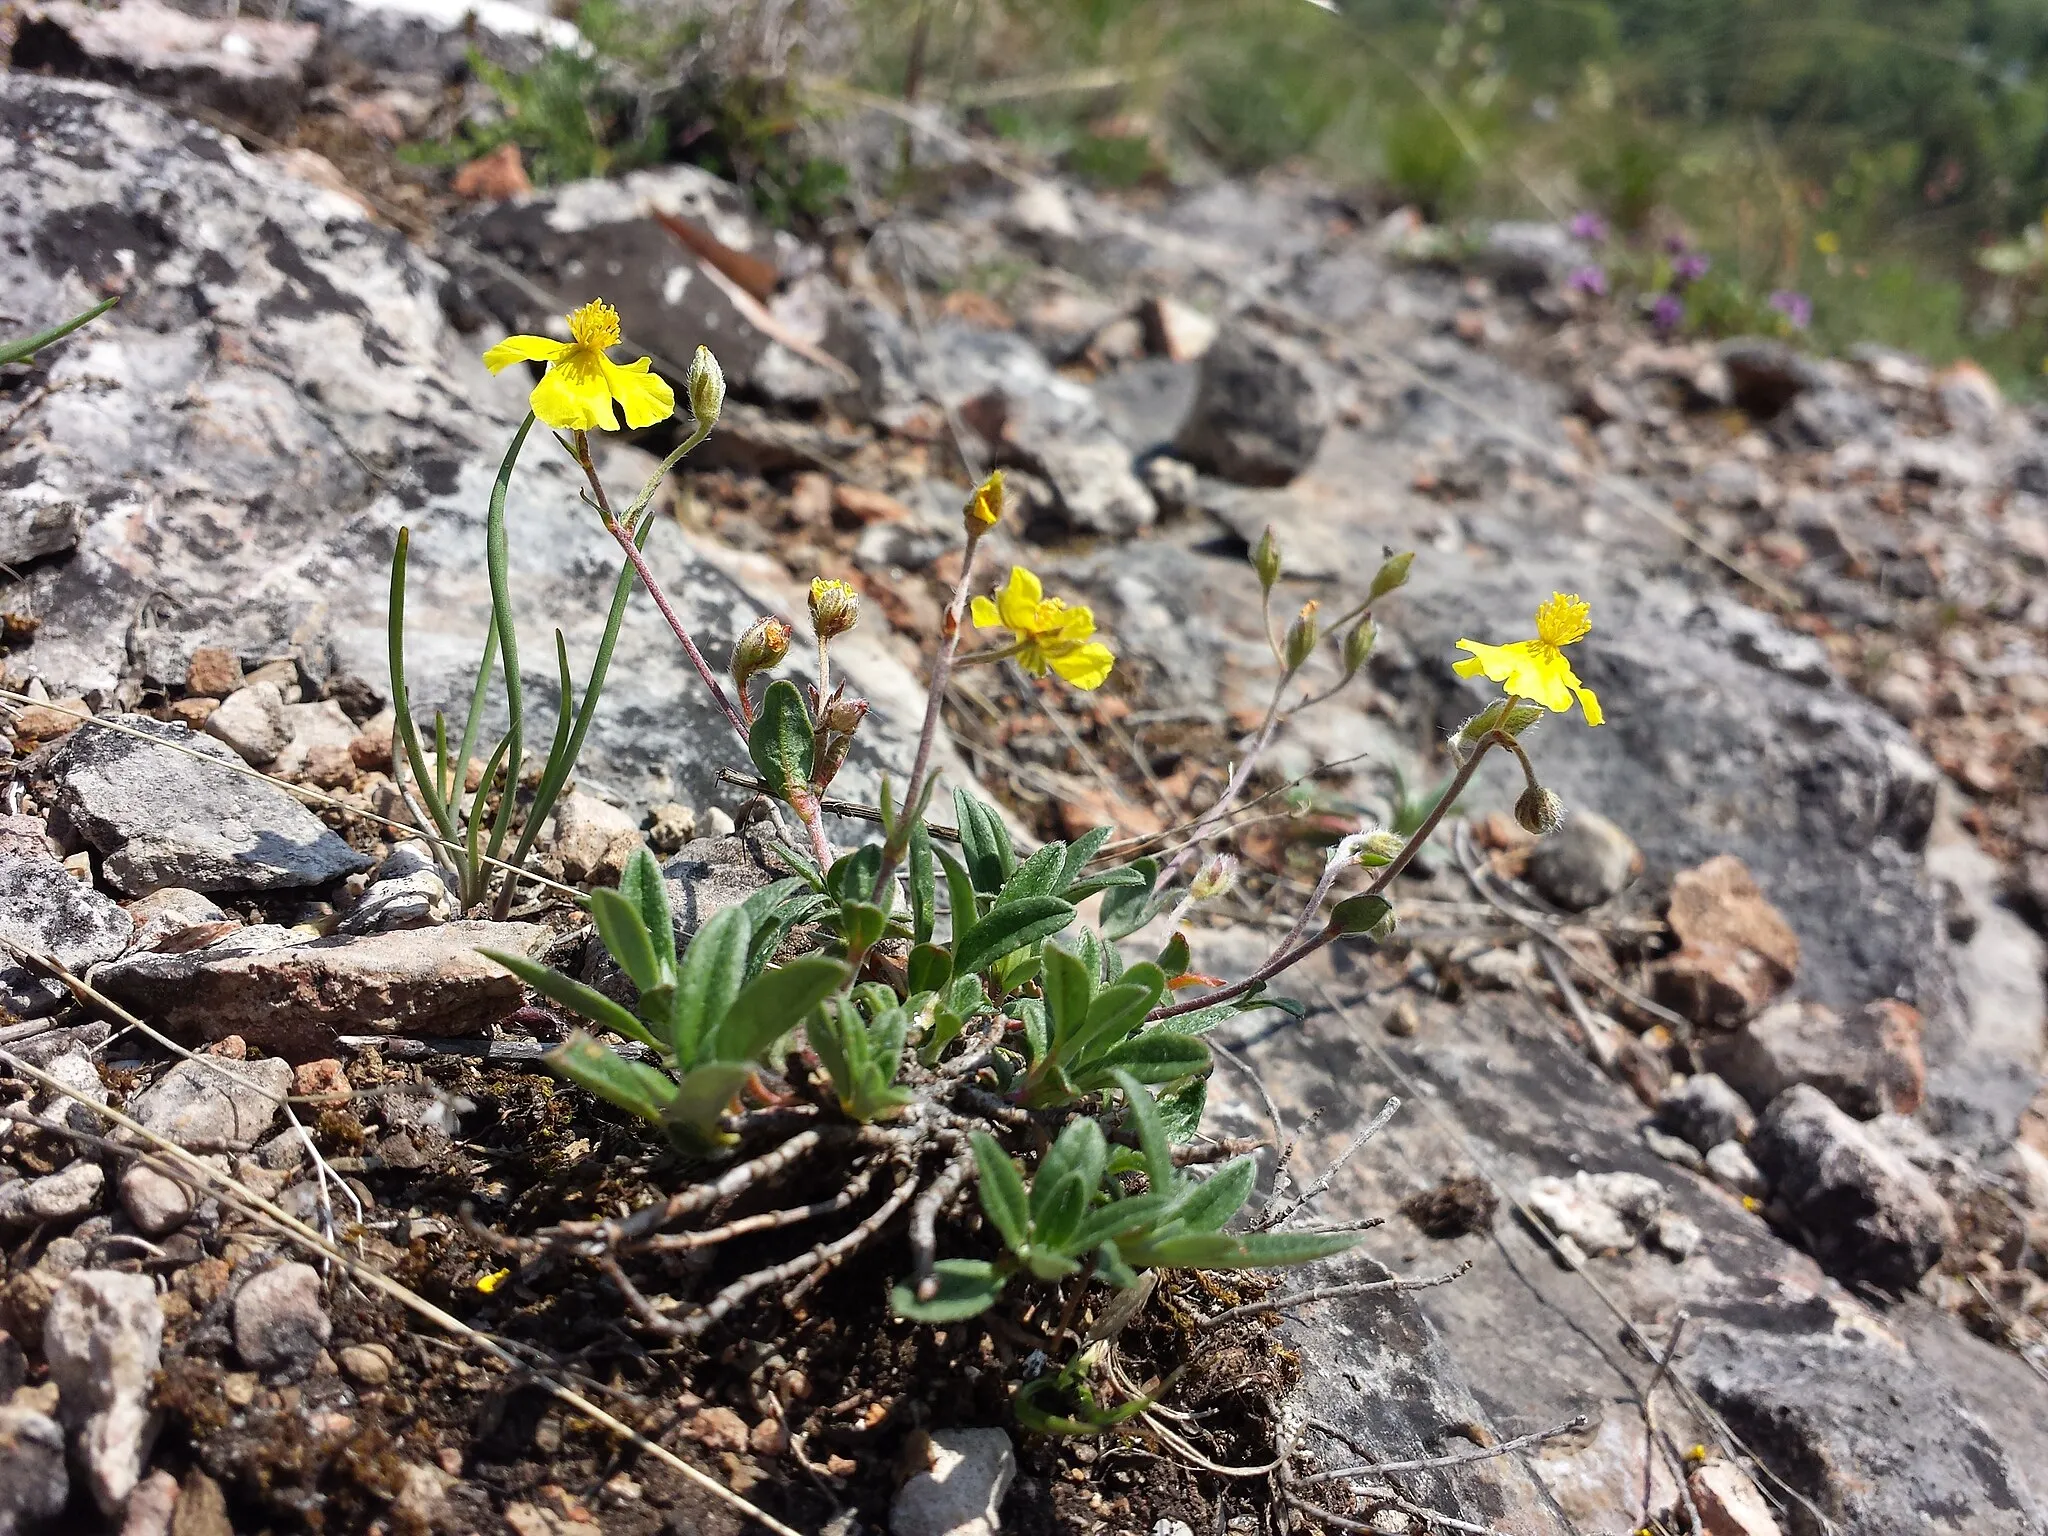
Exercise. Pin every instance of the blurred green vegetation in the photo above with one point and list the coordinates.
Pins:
(1883, 157)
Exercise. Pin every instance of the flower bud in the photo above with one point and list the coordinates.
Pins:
(1381, 848)
(1266, 559)
(842, 717)
(1518, 717)
(1302, 635)
(835, 608)
(1473, 731)
(1393, 573)
(1358, 645)
(764, 644)
(706, 386)
(1539, 811)
(984, 508)
(1216, 877)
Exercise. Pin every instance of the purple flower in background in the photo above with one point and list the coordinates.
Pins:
(1796, 307)
(1592, 280)
(1589, 227)
(1690, 268)
(1668, 313)
(1674, 245)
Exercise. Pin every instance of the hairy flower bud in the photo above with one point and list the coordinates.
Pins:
(842, 717)
(1517, 718)
(1358, 645)
(1473, 731)
(1380, 848)
(1393, 573)
(1302, 635)
(706, 386)
(1266, 559)
(764, 644)
(835, 608)
(1539, 811)
(1216, 877)
(984, 508)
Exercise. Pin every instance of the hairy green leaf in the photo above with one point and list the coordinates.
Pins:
(1003, 1198)
(781, 741)
(1009, 928)
(575, 996)
(966, 1287)
(771, 1005)
(631, 1085)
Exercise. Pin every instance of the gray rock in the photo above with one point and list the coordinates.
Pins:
(960, 1490)
(1860, 1208)
(56, 1198)
(1705, 1111)
(156, 1202)
(214, 1100)
(669, 301)
(280, 1323)
(1601, 1212)
(1524, 255)
(1858, 1426)
(74, 1069)
(1034, 419)
(586, 828)
(376, 414)
(322, 723)
(169, 911)
(35, 1484)
(1868, 1062)
(248, 69)
(294, 998)
(1585, 862)
(1674, 1235)
(1731, 1164)
(251, 723)
(103, 1337)
(46, 909)
(1259, 414)
(432, 38)
(406, 891)
(162, 818)
(1767, 374)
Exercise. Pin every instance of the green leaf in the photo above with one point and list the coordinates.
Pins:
(781, 741)
(1008, 928)
(1127, 908)
(1156, 1056)
(1123, 879)
(713, 971)
(1069, 988)
(1077, 1158)
(1152, 1139)
(960, 897)
(852, 878)
(575, 996)
(1181, 1106)
(700, 1102)
(1116, 1219)
(641, 883)
(626, 938)
(1359, 914)
(966, 1287)
(1226, 1250)
(984, 842)
(1210, 1204)
(1002, 1193)
(1030, 1012)
(771, 1005)
(1176, 957)
(25, 349)
(861, 925)
(833, 1037)
(631, 1085)
(924, 891)
(1057, 1206)
(1201, 1021)
(1118, 1010)
(1079, 852)
(930, 968)
(1038, 875)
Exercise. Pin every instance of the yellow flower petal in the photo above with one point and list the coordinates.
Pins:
(986, 615)
(646, 396)
(1087, 666)
(1018, 601)
(1588, 703)
(573, 395)
(523, 349)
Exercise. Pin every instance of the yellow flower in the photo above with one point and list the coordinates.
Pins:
(577, 391)
(490, 1282)
(1536, 669)
(1827, 242)
(1049, 633)
(984, 508)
